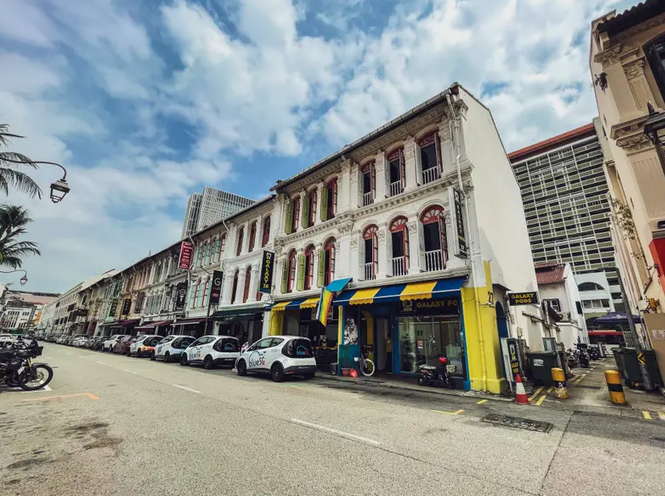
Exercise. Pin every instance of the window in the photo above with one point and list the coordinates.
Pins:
(292, 215)
(309, 267)
(329, 264)
(399, 237)
(194, 294)
(216, 249)
(291, 271)
(578, 305)
(248, 283)
(371, 240)
(655, 52)
(197, 256)
(368, 183)
(430, 157)
(234, 290)
(329, 207)
(590, 286)
(241, 236)
(222, 244)
(434, 239)
(311, 208)
(554, 303)
(265, 238)
(396, 172)
(252, 237)
(206, 253)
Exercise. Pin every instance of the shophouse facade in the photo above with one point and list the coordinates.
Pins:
(418, 229)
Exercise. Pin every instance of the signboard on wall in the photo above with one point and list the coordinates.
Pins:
(185, 260)
(216, 290)
(126, 306)
(530, 298)
(267, 269)
(460, 232)
(180, 296)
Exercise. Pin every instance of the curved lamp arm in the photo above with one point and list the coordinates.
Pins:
(64, 171)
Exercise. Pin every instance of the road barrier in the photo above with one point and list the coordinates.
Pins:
(615, 388)
(559, 378)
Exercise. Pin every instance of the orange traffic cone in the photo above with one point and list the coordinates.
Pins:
(521, 398)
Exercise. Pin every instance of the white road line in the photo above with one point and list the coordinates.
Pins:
(336, 432)
(100, 363)
(45, 388)
(186, 388)
(80, 356)
(130, 371)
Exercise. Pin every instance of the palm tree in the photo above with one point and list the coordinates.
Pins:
(10, 168)
(13, 220)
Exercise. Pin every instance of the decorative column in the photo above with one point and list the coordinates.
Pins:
(447, 151)
(415, 247)
(380, 173)
(227, 287)
(410, 163)
(639, 86)
(344, 188)
(355, 192)
(382, 272)
(319, 204)
(254, 284)
(240, 291)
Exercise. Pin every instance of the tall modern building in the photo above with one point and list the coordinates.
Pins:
(564, 192)
(210, 207)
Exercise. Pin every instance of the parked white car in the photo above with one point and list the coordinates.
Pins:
(144, 345)
(6, 339)
(171, 347)
(279, 356)
(79, 341)
(111, 342)
(212, 351)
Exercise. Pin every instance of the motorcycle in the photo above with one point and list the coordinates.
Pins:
(17, 368)
(582, 356)
(430, 375)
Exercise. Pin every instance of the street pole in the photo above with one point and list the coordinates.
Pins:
(205, 329)
(631, 336)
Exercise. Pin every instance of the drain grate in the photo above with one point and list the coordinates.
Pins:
(517, 423)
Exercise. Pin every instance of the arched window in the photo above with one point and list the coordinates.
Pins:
(368, 183)
(590, 286)
(430, 157)
(193, 295)
(309, 267)
(290, 271)
(329, 264)
(310, 208)
(396, 172)
(329, 200)
(248, 283)
(399, 238)
(241, 237)
(252, 237)
(234, 289)
(371, 245)
(434, 239)
(265, 238)
(204, 294)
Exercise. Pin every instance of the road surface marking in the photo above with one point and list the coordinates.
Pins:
(647, 415)
(549, 390)
(45, 388)
(92, 396)
(661, 415)
(100, 363)
(536, 393)
(80, 356)
(541, 399)
(186, 388)
(481, 402)
(578, 380)
(448, 413)
(130, 371)
(336, 432)
(47, 398)
(296, 387)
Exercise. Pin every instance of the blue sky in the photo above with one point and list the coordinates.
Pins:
(147, 102)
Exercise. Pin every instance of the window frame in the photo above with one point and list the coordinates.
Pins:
(296, 214)
(436, 214)
(252, 237)
(431, 138)
(248, 283)
(329, 263)
(309, 267)
(265, 235)
(331, 204)
(312, 198)
(368, 169)
(239, 242)
(291, 274)
(371, 233)
(400, 224)
(234, 288)
(397, 154)
(656, 62)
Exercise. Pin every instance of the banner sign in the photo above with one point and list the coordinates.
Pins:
(515, 299)
(185, 260)
(267, 268)
(114, 308)
(126, 306)
(180, 296)
(216, 290)
(462, 251)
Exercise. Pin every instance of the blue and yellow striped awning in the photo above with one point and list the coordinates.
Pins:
(295, 304)
(405, 292)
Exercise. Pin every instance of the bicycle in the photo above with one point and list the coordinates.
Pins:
(365, 365)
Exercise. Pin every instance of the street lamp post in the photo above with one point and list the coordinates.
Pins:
(23, 279)
(59, 188)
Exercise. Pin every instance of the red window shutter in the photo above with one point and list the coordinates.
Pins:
(405, 237)
(248, 281)
(372, 180)
(439, 161)
(402, 168)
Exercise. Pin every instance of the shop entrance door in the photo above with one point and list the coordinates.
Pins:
(383, 346)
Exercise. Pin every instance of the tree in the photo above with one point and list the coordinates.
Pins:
(13, 221)
(11, 165)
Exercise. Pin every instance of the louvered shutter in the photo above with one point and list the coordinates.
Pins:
(322, 267)
(301, 272)
(289, 218)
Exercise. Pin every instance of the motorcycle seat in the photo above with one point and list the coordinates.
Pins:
(427, 367)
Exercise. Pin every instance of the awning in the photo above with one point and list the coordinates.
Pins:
(605, 333)
(338, 285)
(295, 304)
(188, 322)
(129, 322)
(615, 318)
(404, 292)
(238, 313)
(152, 325)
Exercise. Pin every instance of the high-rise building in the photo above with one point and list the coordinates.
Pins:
(211, 206)
(564, 192)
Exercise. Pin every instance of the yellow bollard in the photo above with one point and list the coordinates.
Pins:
(613, 380)
(559, 378)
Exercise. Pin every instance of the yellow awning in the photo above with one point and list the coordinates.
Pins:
(279, 307)
(418, 291)
(364, 296)
(310, 303)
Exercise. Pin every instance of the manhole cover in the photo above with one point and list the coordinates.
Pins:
(588, 387)
(517, 423)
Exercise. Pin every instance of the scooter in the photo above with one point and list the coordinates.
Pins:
(430, 375)
(583, 356)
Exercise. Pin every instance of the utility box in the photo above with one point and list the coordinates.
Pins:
(542, 363)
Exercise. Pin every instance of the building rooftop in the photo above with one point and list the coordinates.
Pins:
(550, 273)
(555, 142)
(632, 17)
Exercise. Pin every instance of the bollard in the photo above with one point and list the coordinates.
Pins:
(559, 378)
(613, 380)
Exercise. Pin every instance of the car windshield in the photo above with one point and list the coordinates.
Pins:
(298, 348)
(167, 339)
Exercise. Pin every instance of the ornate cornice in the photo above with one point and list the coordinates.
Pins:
(634, 69)
(654, 22)
(609, 56)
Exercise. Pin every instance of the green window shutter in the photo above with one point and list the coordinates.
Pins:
(301, 272)
(305, 212)
(324, 204)
(322, 268)
(285, 275)
(289, 218)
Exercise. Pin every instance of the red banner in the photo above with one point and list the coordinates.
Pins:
(185, 260)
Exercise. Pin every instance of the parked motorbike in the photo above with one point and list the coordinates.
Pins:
(572, 358)
(430, 375)
(17, 368)
(594, 352)
(582, 356)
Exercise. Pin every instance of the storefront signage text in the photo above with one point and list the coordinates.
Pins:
(126, 306)
(267, 267)
(515, 299)
(180, 296)
(459, 225)
(185, 260)
(431, 307)
(216, 289)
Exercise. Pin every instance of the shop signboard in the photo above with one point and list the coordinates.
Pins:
(530, 298)
(443, 306)
(216, 289)
(126, 306)
(180, 296)
(460, 232)
(185, 260)
(267, 268)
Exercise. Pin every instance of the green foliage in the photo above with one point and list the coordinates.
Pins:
(13, 222)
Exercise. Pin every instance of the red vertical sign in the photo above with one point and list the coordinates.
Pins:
(185, 260)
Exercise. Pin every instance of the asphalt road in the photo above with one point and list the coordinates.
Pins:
(114, 425)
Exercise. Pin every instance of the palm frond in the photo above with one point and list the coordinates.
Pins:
(13, 220)
(19, 180)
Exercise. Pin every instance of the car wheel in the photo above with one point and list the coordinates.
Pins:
(277, 372)
(138, 354)
(167, 357)
(207, 362)
(183, 360)
(153, 357)
(241, 368)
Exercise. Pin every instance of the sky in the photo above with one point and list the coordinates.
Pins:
(146, 102)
